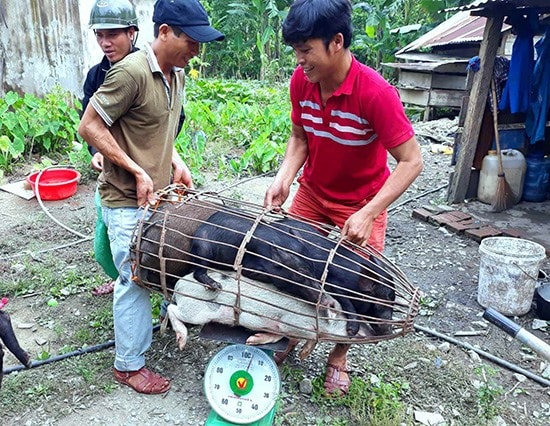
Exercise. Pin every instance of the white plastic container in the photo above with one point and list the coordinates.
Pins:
(514, 165)
(508, 273)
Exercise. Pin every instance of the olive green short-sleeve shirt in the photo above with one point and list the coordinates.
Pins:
(142, 114)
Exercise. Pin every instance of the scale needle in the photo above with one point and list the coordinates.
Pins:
(249, 363)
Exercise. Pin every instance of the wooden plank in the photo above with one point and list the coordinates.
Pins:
(433, 98)
(445, 98)
(476, 106)
(414, 96)
(415, 80)
(448, 81)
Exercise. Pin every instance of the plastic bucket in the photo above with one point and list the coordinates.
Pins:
(537, 178)
(508, 273)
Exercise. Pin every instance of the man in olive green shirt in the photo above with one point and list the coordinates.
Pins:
(132, 120)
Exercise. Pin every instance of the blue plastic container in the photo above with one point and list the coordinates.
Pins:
(537, 178)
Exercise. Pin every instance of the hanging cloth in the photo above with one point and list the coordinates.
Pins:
(518, 86)
(537, 114)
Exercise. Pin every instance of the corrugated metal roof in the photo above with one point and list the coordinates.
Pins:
(506, 4)
(460, 28)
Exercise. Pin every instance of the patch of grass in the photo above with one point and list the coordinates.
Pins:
(290, 374)
(99, 327)
(369, 403)
(28, 390)
(50, 277)
(427, 306)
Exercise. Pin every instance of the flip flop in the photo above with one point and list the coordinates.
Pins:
(143, 381)
(335, 385)
(104, 289)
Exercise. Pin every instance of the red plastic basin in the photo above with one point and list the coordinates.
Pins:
(55, 184)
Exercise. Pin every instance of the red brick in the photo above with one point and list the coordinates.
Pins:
(444, 218)
(460, 226)
(422, 214)
(460, 215)
(480, 233)
(511, 232)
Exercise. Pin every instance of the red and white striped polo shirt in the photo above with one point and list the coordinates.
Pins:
(348, 139)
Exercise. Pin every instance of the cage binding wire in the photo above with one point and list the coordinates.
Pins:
(164, 258)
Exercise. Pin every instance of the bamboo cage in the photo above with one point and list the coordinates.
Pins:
(268, 270)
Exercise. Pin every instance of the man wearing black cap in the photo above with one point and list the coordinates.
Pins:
(132, 120)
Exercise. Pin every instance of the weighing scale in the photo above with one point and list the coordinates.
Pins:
(241, 382)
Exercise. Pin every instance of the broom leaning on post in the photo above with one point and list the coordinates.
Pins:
(504, 197)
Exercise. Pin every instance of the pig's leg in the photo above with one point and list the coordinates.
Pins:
(306, 349)
(201, 275)
(178, 326)
(8, 337)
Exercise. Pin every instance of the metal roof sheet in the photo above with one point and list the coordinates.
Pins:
(460, 28)
(506, 4)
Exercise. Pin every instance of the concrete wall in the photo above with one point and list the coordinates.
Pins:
(48, 42)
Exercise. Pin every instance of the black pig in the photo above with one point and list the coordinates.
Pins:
(349, 271)
(296, 252)
(174, 225)
(271, 256)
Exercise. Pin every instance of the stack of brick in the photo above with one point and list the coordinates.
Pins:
(463, 224)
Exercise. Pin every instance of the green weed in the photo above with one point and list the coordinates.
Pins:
(427, 305)
(488, 393)
(38, 391)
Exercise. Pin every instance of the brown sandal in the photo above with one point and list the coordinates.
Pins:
(143, 381)
(104, 289)
(335, 385)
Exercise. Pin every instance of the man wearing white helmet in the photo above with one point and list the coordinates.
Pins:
(115, 26)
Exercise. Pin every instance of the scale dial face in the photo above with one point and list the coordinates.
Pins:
(242, 383)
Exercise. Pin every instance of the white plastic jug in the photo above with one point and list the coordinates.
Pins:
(514, 165)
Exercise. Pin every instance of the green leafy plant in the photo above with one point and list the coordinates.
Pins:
(488, 393)
(241, 127)
(29, 124)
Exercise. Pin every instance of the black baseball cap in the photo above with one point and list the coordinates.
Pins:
(187, 15)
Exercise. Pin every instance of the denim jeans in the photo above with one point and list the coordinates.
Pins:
(131, 303)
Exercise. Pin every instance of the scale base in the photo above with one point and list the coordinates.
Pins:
(214, 419)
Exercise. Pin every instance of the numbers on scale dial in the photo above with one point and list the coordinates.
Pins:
(242, 383)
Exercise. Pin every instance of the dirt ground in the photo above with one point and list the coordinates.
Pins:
(443, 375)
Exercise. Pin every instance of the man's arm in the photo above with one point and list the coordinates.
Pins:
(95, 132)
(295, 156)
(409, 165)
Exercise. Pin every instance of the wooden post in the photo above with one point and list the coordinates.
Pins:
(476, 106)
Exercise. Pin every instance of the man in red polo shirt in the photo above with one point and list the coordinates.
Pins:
(345, 120)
